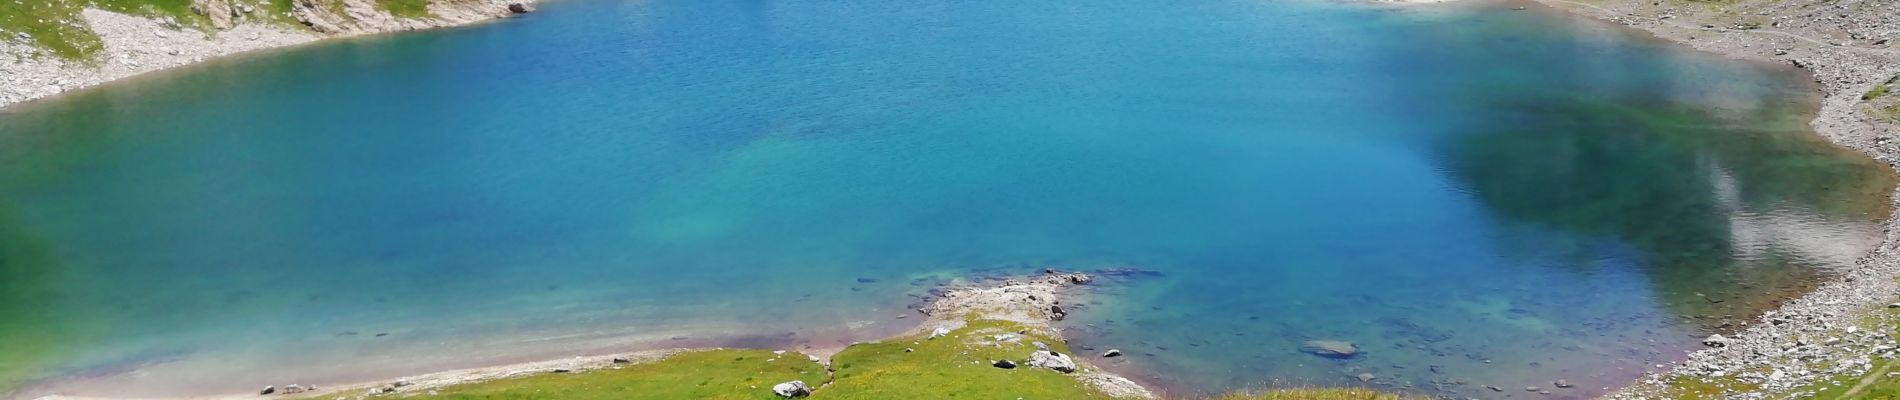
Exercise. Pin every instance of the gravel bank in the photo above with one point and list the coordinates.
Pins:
(1838, 329)
(137, 45)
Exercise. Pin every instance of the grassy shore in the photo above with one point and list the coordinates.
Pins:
(957, 365)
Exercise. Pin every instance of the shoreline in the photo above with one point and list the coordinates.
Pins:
(1824, 324)
(135, 46)
(1026, 301)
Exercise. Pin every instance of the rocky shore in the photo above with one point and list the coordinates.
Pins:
(1848, 47)
(136, 45)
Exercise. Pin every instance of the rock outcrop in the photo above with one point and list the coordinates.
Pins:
(220, 12)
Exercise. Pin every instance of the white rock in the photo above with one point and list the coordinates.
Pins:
(791, 389)
(1052, 360)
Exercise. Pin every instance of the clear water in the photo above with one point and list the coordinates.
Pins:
(1513, 196)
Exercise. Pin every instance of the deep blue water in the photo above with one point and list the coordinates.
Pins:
(1512, 196)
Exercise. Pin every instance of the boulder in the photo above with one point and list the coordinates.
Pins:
(1052, 360)
(267, 390)
(1004, 364)
(791, 389)
(1330, 348)
(520, 8)
(218, 11)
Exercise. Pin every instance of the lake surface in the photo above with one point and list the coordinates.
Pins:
(1475, 195)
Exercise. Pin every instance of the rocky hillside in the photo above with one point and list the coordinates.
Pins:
(52, 46)
(58, 27)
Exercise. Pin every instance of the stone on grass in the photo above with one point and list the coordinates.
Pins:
(1004, 364)
(939, 332)
(791, 389)
(1052, 360)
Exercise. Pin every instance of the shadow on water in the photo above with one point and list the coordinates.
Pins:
(1728, 217)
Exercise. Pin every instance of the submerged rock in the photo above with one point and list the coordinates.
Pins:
(1112, 353)
(1052, 360)
(268, 390)
(791, 389)
(1330, 348)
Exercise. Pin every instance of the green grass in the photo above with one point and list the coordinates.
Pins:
(715, 374)
(52, 25)
(405, 8)
(955, 366)
(1880, 90)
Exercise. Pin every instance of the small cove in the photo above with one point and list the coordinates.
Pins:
(1515, 197)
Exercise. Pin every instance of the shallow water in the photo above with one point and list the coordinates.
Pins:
(1514, 197)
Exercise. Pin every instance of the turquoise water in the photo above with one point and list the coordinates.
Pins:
(1513, 196)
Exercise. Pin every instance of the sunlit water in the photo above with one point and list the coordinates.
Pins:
(1512, 197)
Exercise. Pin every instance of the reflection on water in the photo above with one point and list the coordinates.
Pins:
(1730, 213)
(1476, 196)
